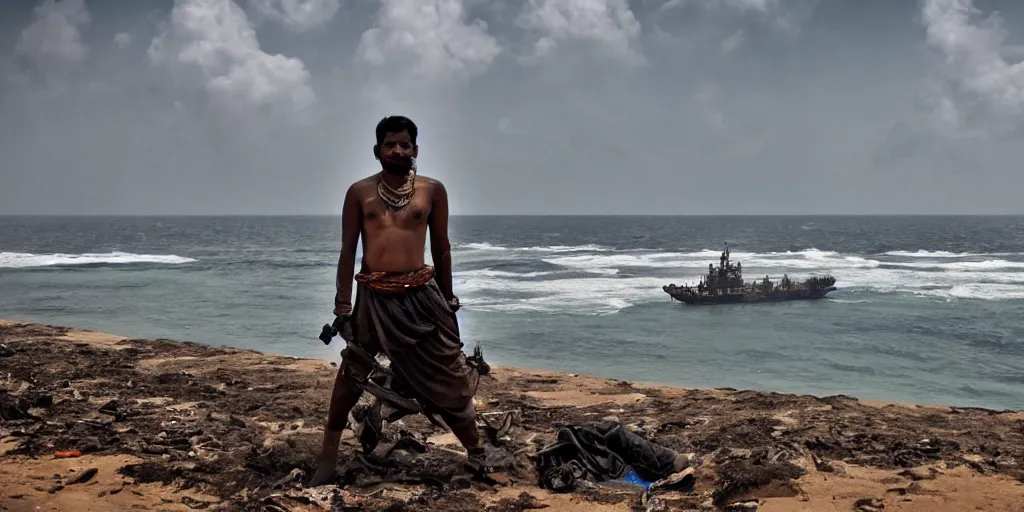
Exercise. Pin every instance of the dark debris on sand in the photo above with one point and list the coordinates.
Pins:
(248, 433)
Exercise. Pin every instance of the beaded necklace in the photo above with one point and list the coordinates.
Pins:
(397, 199)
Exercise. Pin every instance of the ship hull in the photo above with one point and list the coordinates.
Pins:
(741, 298)
(725, 285)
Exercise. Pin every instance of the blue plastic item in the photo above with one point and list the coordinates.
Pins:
(633, 479)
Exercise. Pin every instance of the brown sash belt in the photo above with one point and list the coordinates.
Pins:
(395, 281)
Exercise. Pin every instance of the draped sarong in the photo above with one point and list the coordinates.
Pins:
(406, 316)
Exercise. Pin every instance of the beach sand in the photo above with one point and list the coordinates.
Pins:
(167, 425)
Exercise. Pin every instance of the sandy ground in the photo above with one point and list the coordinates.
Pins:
(166, 425)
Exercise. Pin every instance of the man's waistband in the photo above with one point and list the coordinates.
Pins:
(395, 281)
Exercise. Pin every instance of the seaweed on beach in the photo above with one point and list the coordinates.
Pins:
(245, 427)
(771, 479)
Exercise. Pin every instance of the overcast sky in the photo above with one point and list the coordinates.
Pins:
(524, 106)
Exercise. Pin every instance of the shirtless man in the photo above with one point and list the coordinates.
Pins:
(403, 307)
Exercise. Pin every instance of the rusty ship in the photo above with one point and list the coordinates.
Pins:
(725, 285)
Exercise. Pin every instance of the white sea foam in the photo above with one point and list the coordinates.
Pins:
(29, 260)
(621, 279)
(809, 259)
(486, 272)
(585, 295)
(978, 291)
(485, 246)
(966, 266)
(921, 253)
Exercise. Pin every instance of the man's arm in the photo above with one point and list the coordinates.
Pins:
(440, 247)
(351, 228)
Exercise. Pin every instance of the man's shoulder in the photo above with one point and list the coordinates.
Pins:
(364, 184)
(369, 184)
(371, 179)
(427, 181)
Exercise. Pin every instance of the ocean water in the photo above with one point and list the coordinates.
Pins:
(928, 310)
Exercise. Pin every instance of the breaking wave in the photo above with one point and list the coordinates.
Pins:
(602, 280)
(594, 279)
(921, 253)
(484, 246)
(29, 260)
(809, 259)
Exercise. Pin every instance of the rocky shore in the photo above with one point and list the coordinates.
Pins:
(92, 421)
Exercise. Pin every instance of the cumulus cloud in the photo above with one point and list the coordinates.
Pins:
(725, 95)
(754, 5)
(214, 42)
(122, 40)
(608, 23)
(298, 15)
(977, 85)
(733, 42)
(788, 16)
(429, 41)
(54, 32)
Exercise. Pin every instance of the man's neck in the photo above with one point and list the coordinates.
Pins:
(392, 180)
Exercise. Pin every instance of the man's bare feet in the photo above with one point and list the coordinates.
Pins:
(325, 474)
(328, 459)
(476, 462)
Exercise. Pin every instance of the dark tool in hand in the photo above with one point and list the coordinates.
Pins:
(368, 374)
(341, 325)
(327, 334)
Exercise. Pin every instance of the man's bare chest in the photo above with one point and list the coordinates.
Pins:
(377, 214)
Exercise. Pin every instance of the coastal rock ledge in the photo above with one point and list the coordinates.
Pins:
(93, 421)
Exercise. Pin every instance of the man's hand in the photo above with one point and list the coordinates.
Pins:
(340, 321)
(453, 304)
(343, 325)
(342, 314)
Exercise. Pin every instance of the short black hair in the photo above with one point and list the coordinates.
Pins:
(396, 124)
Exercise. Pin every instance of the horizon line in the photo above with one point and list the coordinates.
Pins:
(539, 215)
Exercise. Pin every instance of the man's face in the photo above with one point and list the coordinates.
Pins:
(397, 152)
